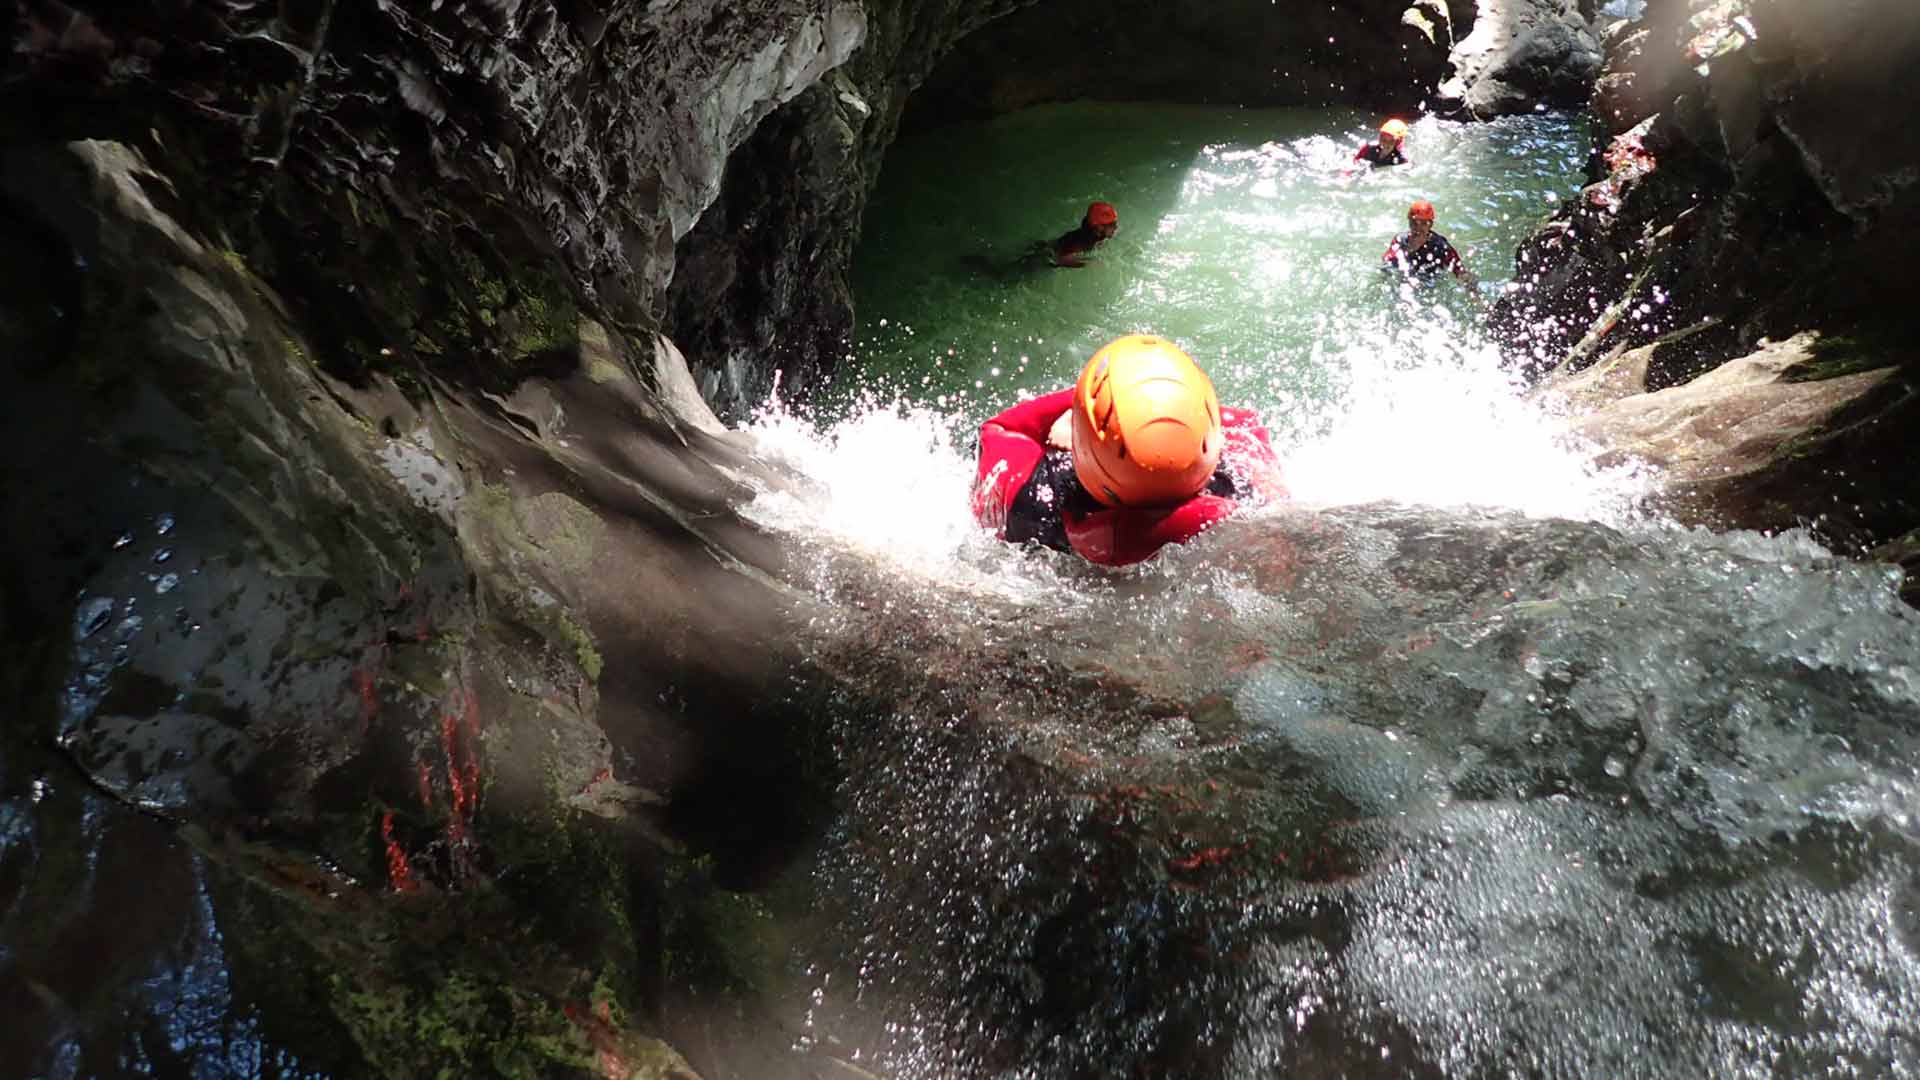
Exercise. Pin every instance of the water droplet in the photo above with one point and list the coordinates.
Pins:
(1616, 766)
(163, 524)
(166, 583)
(163, 555)
(123, 540)
(89, 619)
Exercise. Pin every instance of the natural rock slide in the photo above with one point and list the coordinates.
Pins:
(395, 689)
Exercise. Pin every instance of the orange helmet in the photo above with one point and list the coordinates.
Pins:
(1421, 210)
(1396, 128)
(1146, 425)
(1101, 213)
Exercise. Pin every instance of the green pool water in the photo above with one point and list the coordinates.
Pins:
(1240, 238)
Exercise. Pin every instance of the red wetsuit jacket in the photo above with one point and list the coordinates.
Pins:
(1025, 491)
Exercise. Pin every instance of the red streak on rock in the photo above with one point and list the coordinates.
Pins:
(369, 700)
(605, 773)
(399, 874)
(1212, 856)
(597, 1023)
(459, 743)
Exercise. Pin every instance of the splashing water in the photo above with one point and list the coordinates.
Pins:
(891, 478)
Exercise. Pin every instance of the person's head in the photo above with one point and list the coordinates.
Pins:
(1146, 424)
(1420, 218)
(1393, 133)
(1102, 218)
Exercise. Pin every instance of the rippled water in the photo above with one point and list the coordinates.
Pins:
(1456, 765)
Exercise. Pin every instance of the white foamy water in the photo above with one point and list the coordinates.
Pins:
(1451, 430)
(891, 482)
(894, 480)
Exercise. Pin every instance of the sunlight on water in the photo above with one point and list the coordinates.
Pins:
(1453, 432)
(889, 479)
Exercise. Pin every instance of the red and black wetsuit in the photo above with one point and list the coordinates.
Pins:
(1028, 492)
(1372, 154)
(1424, 263)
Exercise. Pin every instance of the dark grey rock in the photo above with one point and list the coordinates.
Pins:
(1523, 54)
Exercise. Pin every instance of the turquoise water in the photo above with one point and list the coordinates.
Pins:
(1239, 237)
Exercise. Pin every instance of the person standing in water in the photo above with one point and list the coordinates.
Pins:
(1420, 254)
(1097, 226)
(1390, 149)
(1136, 455)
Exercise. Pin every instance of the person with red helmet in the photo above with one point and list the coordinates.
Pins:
(1389, 149)
(1097, 226)
(1420, 254)
(1137, 454)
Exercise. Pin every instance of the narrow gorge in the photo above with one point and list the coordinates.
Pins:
(399, 685)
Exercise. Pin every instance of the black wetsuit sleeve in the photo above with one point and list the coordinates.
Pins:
(1038, 511)
(1223, 482)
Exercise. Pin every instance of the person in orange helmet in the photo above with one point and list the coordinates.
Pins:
(1389, 149)
(1097, 226)
(1420, 254)
(1137, 454)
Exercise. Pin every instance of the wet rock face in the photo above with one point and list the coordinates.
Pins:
(1523, 54)
(1718, 196)
(419, 170)
(1722, 213)
(1793, 434)
(325, 681)
(1385, 54)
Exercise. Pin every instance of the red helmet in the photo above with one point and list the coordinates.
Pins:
(1146, 424)
(1102, 213)
(1421, 210)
